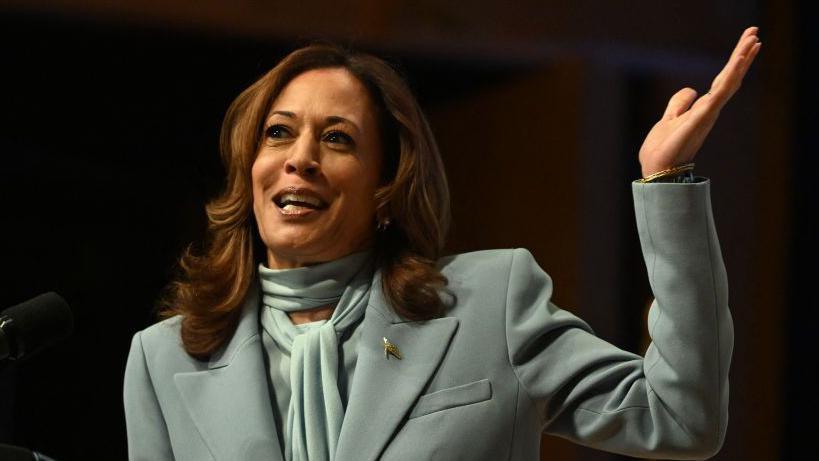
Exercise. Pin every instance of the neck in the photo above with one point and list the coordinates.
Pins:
(282, 260)
(308, 294)
(312, 315)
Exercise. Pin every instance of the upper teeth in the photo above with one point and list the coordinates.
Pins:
(310, 200)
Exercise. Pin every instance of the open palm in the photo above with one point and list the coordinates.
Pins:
(676, 138)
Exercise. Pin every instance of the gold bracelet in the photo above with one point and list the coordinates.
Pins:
(674, 171)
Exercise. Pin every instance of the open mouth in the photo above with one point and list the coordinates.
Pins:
(298, 201)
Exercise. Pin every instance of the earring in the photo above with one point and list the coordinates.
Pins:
(383, 224)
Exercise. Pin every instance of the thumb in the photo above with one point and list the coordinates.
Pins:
(679, 103)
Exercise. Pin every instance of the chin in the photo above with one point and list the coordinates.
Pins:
(297, 250)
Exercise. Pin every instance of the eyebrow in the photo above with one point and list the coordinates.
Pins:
(282, 112)
(330, 119)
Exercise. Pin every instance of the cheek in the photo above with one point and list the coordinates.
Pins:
(362, 198)
(260, 175)
(263, 171)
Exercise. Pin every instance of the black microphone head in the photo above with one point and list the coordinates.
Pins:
(38, 323)
(12, 453)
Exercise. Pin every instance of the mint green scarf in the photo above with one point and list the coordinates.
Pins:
(316, 413)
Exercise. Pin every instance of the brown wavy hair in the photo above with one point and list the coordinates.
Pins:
(216, 274)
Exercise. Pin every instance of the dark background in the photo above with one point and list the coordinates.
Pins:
(109, 120)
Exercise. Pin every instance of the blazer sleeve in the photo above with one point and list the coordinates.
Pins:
(147, 432)
(672, 403)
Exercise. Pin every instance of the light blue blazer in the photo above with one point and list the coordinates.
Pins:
(482, 383)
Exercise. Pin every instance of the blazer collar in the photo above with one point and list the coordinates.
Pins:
(388, 387)
(230, 401)
(246, 330)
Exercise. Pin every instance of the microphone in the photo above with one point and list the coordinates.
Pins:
(12, 453)
(34, 325)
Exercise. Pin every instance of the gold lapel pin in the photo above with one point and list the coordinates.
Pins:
(391, 349)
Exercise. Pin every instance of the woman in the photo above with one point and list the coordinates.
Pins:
(319, 321)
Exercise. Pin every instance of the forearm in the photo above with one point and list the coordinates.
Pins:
(686, 366)
(671, 404)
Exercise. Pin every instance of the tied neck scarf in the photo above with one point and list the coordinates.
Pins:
(316, 413)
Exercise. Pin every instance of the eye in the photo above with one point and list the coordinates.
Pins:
(338, 137)
(277, 131)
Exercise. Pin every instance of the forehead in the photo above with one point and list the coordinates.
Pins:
(332, 91)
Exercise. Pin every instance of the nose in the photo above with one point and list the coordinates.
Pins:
(304, 159)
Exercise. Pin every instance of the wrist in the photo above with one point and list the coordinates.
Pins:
(681, 173)
(648, 170)
(685, 178)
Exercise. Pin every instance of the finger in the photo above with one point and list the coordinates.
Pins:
(735, 73)
(751, 55)
(728, 81)
(743, 66)
(747, 51)
(679, 103)
(747, 39)
(751, 31)
(738, 62)
(733, 66)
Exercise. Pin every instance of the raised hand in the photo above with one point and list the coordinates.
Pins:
(687, 120)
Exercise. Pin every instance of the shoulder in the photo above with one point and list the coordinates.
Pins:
(495, 255)
(164, 335)
(486, 264)
(488, 277)
(161, 347)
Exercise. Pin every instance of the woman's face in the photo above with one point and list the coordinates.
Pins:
(317, 170)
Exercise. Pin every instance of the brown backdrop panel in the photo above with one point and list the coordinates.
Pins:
(511, 153)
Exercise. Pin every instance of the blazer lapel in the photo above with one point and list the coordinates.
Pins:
(230, 403)
(384, 389)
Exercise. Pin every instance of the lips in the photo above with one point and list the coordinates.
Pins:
(298, 201)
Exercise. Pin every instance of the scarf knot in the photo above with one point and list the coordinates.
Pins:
(315, 413)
